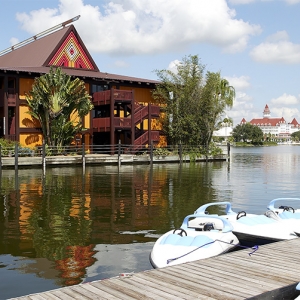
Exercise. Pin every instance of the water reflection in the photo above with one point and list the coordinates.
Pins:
(66, 227)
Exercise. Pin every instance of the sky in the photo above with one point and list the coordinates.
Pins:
(254, 44)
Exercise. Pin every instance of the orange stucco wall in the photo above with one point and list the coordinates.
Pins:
(25, 85)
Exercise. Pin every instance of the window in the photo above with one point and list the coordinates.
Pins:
(99, 87)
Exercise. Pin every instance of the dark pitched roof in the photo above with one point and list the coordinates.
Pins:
(34, 54)
(40, 52)
(34, 57)
(83, 74)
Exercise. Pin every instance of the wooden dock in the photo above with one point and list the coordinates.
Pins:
(272, 272)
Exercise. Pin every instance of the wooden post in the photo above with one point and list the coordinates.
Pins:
(83, 157)
(44, 156)
(16, 156)
(112, 121)
(0, 159)
(180, 153)
(228, 151)
(151, 153)
(119, 154)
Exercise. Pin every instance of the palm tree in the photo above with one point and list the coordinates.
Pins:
(55, 100)
(217, 95)
(226, 93)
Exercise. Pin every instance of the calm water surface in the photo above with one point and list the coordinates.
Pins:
(66, 227)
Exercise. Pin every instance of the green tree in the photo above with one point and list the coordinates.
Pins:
(179, 93)
(216, 96)
(257, 135)
(247, 132)
(296, 136)
(54, 99)
(193, 103)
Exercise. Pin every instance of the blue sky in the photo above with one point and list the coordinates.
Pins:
(255, 44)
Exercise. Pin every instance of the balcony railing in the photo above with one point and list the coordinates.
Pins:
(122, 95)
(104, 97)
(101, 124)
(101, 98)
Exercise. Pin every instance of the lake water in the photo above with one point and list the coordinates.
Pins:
(64, 227)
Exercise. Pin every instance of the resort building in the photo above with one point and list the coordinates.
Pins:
(274, 127)
(124, 109)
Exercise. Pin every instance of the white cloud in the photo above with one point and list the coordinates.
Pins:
(241, 1)
(237, 2)
(239, 83)
(287, 113)
(153, 26)
(243, 103)
(173, 65)
(13, 41)
(286, 100)
(279, 36)
(285, 106)
(277, 49)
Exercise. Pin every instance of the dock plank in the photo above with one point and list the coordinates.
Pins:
(171, 288)
(208, 275)
(184, 281)
(210, 283)
(97, 291)
(252, 279)
(271, 270)
(109, 290)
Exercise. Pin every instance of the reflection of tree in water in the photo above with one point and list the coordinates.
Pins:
(186, 187)
(61, 227)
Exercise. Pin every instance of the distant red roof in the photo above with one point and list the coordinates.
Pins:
(267, 121)
(294, 122)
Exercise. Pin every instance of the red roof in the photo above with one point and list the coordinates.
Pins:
(295, 122)
(267, 121)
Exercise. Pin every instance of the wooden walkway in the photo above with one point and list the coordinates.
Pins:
(272, 272)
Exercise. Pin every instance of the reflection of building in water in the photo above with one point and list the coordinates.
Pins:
(62, 218)
(274, 127)
(73, 267)
(131, 201)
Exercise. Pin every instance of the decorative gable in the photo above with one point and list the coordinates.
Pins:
(71, 54)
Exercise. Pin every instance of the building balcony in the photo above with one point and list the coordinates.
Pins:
(105, 97)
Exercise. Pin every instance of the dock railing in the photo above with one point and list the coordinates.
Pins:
(17, 155)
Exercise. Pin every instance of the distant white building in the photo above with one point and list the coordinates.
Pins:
(223, 132)
(274, 127)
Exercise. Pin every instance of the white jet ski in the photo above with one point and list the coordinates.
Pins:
(285, 211)
(199, 237)
(253, 229)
